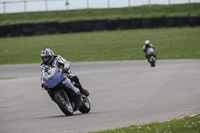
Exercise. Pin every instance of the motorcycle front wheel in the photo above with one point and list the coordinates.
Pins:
(85, 108)
(152, 61)
(64, 103)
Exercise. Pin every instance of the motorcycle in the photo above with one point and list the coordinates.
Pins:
(151, 56)
(63, 92)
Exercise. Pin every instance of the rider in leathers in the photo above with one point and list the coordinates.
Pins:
(146, 46)
(49, 60)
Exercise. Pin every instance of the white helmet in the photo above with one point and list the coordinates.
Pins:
(147, 42)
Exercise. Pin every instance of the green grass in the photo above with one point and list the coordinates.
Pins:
(189, 124)
(171, 43)
(112, 13)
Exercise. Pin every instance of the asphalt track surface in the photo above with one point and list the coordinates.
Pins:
(122, 93)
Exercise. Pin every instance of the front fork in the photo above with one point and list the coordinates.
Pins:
(74, 93)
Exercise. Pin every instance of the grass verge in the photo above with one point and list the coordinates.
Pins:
(189, 124)
(171, 43)
(111, 13)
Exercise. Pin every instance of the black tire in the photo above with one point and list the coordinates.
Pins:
(76, 26)
(16, 30)
(112, 24)
(152, 61)
(100, 25)
(63, 103)
(86, 107)
(152, 64)
(28, 29)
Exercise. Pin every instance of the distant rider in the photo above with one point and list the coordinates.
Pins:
(49, 60)
(146, 46)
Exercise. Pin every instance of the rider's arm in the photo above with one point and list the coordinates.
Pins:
(62, 61)
(151, 45)
(42, 68)
(144, 49)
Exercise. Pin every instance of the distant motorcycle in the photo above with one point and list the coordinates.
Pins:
(151, 56)
(59, 87)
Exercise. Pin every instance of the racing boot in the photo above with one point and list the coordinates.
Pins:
(84, 91)
(78, 84)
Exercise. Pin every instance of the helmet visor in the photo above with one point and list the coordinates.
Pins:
(45, 59)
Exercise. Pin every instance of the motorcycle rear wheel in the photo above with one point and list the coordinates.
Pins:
(64, 103)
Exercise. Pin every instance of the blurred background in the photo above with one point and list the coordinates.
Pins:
(16, 6)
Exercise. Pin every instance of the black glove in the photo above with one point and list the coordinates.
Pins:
(65, 70)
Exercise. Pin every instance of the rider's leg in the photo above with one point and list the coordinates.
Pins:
(74, 92)
(78, 84)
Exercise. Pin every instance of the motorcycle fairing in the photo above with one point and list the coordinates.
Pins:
(52, 77)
